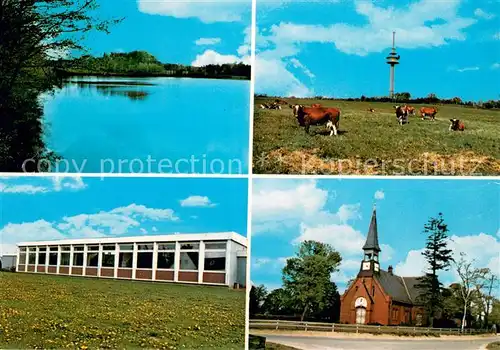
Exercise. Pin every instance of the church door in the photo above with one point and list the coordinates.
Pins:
(360, 315)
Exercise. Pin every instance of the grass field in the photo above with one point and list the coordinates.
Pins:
(374, 143)
(42, 311)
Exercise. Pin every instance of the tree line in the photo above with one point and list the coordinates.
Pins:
(144, 64)
(405, 97)
(309, 294)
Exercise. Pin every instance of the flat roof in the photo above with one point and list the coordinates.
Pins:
(216, 236)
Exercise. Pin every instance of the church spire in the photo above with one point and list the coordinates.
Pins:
(372, 237)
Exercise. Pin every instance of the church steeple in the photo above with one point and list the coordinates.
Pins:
(372, 237)
(371, 249)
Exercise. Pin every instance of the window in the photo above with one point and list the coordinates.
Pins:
(22, 249)
(65, 248)
(126, 260)
(78, 248)
(78, 259)
(126, 247)
(373, 290)
(189, 261)
(146, 247)
(108, 247)
(166, 246)
(145, 260)
(108, 259)
(52, 258)
(65, 259)
(215, 246)
(419, 320)
(215, 261)
(31, 257)
(92, 259)
(42, 258)
(190, 245)
(22, 258)
(93, 248)
(166, 261)
(54, 249)
(42, 249)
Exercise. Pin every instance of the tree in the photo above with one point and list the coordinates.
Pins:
(484, 292)
(471, 279)
(257, 297)
(34, 35)
(439, 258)
(306, 277)
(279, 302)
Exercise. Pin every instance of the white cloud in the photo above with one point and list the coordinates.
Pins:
(483, 14)
(28, 189)
(154, 229)
(118, 221)
(379, 195)
(482, 248)
(297, 64)
(207, 41)
(197, 201)
(54, 183)
(207, 11)
(468, 69)
(495, 66)
(213, 57)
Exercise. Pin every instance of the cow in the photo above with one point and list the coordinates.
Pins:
(410, 110)
(308, 116)
(371, 110)
(316, 105)
(401, 114)
(456, 125)
(295, 109)
(428, 111)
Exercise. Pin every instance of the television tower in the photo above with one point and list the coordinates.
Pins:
(392, 60)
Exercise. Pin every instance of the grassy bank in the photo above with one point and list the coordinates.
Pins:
(41, 311)
(373, 143)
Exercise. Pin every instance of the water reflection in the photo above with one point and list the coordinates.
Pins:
(116, 89)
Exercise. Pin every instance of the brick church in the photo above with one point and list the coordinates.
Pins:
(377, 296)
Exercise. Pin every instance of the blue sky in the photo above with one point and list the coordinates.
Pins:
(39, 208)
(172, 30)
(286, 212)
(338, 48)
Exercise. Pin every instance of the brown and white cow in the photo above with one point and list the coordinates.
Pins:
(295, 109)
(330, 117)
(371, 110)
(456, 125)
(428, 111)
(401, 114)
(410, 110)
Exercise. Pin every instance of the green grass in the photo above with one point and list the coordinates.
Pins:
(42, 311)
(377, 141)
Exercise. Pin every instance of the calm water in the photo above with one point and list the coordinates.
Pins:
(162, 124)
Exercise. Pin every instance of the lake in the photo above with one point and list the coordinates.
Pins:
(149, 125)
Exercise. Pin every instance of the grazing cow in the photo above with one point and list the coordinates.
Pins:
(410, 110)
(280, 101)
(370, 110)
(316, 105)
(401, 114)
(295, 109)
(456, 125)
(428, 111)
(308, 116)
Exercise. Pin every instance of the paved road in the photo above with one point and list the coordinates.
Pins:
(330, 343)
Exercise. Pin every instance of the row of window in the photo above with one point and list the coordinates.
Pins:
(214, 260)
(130, 247)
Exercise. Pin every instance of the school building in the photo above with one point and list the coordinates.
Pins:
(207, 258)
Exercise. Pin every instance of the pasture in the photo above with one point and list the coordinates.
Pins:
(42, 311)
(372, 143)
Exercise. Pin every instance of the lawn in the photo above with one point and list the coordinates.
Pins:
(42, 311)
(374, 144)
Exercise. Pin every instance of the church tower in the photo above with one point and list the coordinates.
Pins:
(370, 264)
